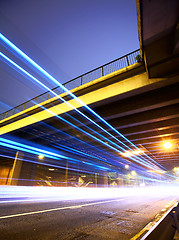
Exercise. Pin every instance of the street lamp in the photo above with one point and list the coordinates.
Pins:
(40, 157)
(167, 145)
(137, 152)
(132, 153)
(126, 154)
(133, 173)
(126, 166)
(176, 170)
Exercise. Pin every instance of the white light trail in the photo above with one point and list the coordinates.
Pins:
(107, 195)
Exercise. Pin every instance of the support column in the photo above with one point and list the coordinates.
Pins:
(96, 179)
(105, 177)
(66, 174)
(16, 169)
(23, 173)
(28, 171)
(120, 181)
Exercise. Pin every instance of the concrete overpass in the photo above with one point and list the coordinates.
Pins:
(140, 100)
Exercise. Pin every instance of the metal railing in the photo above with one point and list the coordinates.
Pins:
(103, 70)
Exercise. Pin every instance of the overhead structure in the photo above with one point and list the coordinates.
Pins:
(119, 121)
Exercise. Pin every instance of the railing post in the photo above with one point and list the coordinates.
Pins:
(102, 71)
(122, 59)
(5, 115)
(48, 96)
(127, 60)
(24, 107)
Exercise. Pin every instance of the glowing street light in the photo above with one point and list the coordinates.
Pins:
(126, 166)
(167, 145)
(137, 152)
(133, 173)
(176, 170)
(157, 171)
(127, 154)
(131, 153)
(40, 157)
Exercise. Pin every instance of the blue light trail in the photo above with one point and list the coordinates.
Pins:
(28, 59)
(26, 148)
(36, 80)
(134, 158)
(60, 166)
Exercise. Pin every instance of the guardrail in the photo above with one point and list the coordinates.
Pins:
(166, 227)
(103, 70)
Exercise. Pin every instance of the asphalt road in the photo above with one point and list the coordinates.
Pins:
(94, 219)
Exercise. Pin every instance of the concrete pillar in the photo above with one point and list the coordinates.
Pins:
(105, 177)
(22, 170)
(66, 174)
(4, 174)
(102, 180)
(14, 176)
(120, 180)
(28, 171)
(96, 179)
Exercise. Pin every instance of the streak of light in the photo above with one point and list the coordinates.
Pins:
(141, 161)
(105, 155)
(157, 171)
(138, 151)
(100, 158)
(30, 149)
(56, 166)
(77, 193)
(127, 154)
(37, 151)
(9, 43)
(31, 180)
(39, 82)
(131, 153)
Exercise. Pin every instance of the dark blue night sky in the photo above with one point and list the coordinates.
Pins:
(65, 37)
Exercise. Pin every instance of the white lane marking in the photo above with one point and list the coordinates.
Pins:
(57, 209)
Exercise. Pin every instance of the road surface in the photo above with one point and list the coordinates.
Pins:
(91, 218)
